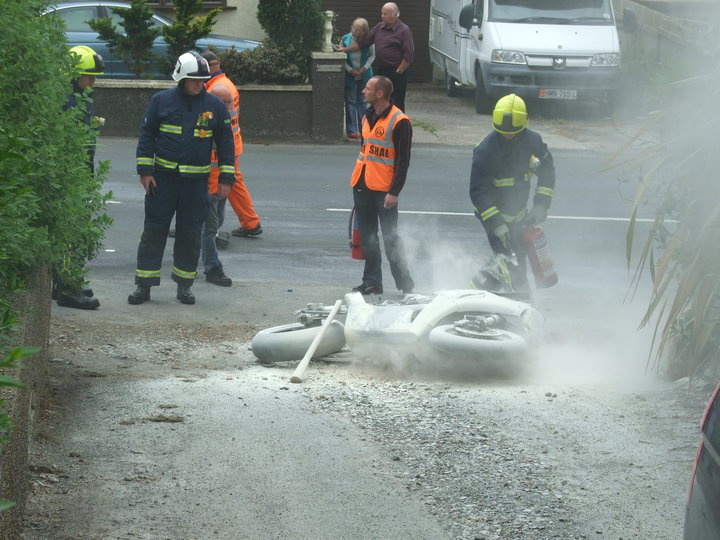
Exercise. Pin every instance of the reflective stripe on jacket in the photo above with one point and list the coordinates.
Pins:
(377, 153)
(502, 174)
(178, 133)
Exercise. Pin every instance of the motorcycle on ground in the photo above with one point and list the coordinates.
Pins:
(469, 325)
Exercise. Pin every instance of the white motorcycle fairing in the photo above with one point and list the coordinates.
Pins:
(407, 324)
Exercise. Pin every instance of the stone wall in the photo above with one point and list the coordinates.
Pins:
(268, 113)
(22, 405)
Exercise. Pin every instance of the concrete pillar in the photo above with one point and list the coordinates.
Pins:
(327, 77)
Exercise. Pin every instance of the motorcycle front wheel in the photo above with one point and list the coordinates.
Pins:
(491, 343)
(291, 342)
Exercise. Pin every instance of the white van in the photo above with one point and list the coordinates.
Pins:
(551, 49)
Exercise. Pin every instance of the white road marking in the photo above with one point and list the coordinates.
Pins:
(463, 214)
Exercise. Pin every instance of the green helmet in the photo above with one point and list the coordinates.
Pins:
(510, 115)
(90, 62)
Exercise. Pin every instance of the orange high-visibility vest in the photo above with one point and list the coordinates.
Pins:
(235, 112)
(234, 123)
(377, 153)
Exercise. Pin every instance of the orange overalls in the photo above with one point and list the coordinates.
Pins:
(239, 197)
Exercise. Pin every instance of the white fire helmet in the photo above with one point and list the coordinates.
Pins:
(191, 65)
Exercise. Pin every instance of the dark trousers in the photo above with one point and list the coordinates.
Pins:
(188, 200)
(399, 81)
(370, 210)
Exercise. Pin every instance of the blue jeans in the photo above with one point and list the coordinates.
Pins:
(212, 225)
(354, 107)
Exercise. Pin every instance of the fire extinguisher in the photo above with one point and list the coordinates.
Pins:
(356, 251)
(539, 257)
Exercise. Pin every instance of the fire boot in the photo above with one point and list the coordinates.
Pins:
(77, 300)
(184, 294)
(87, 291)
(140, 295)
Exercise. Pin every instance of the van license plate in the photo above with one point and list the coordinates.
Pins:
(556, 93)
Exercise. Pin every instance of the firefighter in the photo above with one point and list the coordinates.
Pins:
(89, 65)
(503, 167)
(173, 160)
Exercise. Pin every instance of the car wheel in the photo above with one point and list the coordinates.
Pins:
(451, 88)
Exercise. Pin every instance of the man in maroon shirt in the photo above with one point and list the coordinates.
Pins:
(394, 50)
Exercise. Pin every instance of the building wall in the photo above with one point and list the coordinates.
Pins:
(415, 13)
(239, 19)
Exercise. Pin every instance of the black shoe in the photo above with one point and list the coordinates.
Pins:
(257, 231)
(365, 288)
(185, 295)
(87, 291)
(218, 277)
(171, 233)
(77, 300)
(141, 294)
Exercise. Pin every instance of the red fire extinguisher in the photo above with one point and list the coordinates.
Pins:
(356, 251)
(539, 257)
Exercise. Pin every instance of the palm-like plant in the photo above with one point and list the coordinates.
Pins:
(682, 249)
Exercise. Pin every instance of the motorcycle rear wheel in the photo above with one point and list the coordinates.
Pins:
(291, 342)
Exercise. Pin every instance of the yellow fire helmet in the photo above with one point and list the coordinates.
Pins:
(90, 62)
(510, 115)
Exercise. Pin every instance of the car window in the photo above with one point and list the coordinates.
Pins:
(118, 21)
(76, 18)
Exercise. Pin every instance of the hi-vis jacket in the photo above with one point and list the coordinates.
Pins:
(377, 153)
(178, 132)
(221, 78)
(501, 175)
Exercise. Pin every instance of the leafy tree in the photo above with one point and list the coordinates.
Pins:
(298, 23)
(57, 202)
(187, 28)
(293, 26)
(134, 44)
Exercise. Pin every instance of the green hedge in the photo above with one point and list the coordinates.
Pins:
(50, 203)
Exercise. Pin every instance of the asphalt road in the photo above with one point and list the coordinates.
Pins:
(251, 452)
(302, 195)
